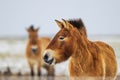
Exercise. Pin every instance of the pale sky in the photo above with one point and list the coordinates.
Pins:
(99, 16)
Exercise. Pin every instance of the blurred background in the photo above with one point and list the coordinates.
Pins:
(101, 18)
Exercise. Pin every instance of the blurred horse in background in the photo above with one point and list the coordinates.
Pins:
(88, 60)
(34, 51)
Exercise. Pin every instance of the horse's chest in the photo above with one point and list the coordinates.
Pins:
(34, 58)
(34, 61)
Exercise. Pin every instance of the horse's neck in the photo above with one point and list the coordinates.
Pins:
(82, 57)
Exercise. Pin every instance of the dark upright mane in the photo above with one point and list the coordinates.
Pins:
(76, 23)
(31, 28)
(79, 25)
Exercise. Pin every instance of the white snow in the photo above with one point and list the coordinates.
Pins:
(9, 50)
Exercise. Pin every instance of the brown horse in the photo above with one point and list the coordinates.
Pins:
(34, 50)
(88, 60)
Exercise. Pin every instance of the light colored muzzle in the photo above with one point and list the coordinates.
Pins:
(49, 57)
(34, 48)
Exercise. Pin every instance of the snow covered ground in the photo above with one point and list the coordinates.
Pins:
(12, 54)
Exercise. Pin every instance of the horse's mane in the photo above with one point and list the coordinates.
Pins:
(79, 25)
(76, 23)
(32, 28)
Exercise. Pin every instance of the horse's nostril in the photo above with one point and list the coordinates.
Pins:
(46, 57)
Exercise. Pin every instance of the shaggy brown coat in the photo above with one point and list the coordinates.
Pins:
(88, 60)
(36, 58)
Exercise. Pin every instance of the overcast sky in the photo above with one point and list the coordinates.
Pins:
(99, 16)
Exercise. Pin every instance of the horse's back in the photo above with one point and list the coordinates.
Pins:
(109, 59)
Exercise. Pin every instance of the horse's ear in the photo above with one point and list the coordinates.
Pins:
(67, 25)
(60, 24)
(37, 29)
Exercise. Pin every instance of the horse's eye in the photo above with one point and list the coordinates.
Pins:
(61, 37)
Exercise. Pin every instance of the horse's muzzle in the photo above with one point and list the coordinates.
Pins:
(34, 50)
(47, 59)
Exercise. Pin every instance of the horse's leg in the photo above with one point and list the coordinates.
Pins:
(31, 68)
(51, 71)
(39, 69)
